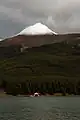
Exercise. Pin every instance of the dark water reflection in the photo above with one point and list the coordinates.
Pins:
(40, 108)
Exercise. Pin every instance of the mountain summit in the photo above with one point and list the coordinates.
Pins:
(35, 35)
(37, 29)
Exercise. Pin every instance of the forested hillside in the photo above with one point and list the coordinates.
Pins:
(53, 68)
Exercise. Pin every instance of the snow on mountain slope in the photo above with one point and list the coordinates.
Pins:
(1, 39)
(37, 29)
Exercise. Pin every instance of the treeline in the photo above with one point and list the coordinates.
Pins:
(43, 87)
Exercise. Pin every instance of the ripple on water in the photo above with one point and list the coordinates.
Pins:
(42, 108)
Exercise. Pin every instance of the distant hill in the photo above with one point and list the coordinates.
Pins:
(38, 40)
(17, 44)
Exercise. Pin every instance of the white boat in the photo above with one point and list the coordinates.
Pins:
(36, 94)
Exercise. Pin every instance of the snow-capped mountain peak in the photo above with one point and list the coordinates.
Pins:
(37, 29)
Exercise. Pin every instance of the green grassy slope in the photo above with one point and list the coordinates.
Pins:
(56, 63)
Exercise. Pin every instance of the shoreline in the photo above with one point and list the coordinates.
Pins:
(3, 94)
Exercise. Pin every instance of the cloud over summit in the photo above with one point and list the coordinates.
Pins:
(61, 15)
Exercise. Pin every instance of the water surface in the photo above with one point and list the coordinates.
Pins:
(40, 108)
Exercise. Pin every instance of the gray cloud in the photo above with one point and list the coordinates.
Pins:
(60, 15)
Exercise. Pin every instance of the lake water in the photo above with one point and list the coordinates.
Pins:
(40, 108)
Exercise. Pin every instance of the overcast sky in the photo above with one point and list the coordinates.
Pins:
(62, 16)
